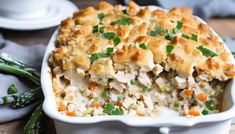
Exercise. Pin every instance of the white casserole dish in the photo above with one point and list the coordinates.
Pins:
(168, 122)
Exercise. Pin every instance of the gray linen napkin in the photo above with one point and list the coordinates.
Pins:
(32, 54)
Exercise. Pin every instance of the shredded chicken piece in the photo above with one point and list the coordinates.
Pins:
(144, 79)
(117, 85)
(123, 77)
(179, 82)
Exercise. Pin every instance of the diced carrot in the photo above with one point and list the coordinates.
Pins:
(139, 114)
(70, 113)
(93, 86)
(193, 112)
(188, 92)
(95, 104)
(62, 107)
(202, 97)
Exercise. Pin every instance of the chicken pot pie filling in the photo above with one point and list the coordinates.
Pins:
(134, 61)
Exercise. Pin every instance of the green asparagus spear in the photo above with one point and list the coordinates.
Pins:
(14, 61)
(19, 72)
(27, 98)
(35, 123)
(24, 99)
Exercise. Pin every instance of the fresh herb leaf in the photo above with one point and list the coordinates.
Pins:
(120, 97)
(194, 37)
(108, 35)
(133, 82)
(211, 105)
(179, 25)
(117, 111)
(143, 46)
(95, 29)
(109, 50)
(169, 36)
(175, 30)
(124, 11)
(145, 89)
(154, 33)
(116, 41)
(157, 30)
(12, 89)
(207, 52)
(169, 49)
(122, 21)
(96, 56)
(185, 36)
(176, 104)
(101, 29)
(205, 112)
(105, 94)
(101, 16)
(109, 108)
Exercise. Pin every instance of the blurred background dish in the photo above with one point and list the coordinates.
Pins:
(49, 16)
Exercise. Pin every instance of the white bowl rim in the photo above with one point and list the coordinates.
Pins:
(50, 109)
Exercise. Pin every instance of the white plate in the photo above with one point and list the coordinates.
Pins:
(55, 12)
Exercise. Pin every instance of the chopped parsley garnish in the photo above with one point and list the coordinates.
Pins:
(143, 46)
(124, 11)
(117, 111)
(116, 41)
(175, 30)
(157, 30)
(169, 49)
(205, 112)
(12, 89)
(211, 105)
(179, 25)
(95, 29)
(109, 50)
(169, 36)
(133, 82)
(145, 89)
(105, 94)
(101, 16)
(110, 109)
(101, 29)
(96, 56)
(120, 97)
(185, 36)
(154, 33)
(122, 21)
(207, 52)
(108, 35)
(176, 104)
(194, 37)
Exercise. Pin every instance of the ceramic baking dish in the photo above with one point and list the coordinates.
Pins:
(168, 122)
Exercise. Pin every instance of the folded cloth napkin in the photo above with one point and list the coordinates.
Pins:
(33, 55)
(202, 8)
